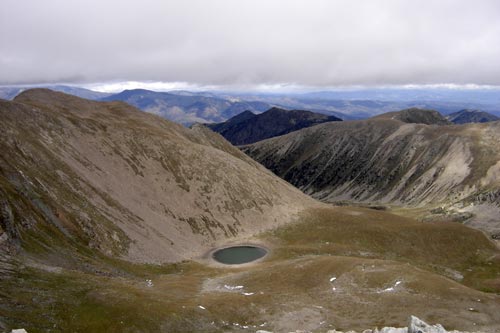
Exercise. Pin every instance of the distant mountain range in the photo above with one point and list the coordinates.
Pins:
(248, 127)
(365, 103)
(474, 96)
(188, 107)
(471, 116)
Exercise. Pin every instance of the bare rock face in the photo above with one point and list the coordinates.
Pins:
(129, 184)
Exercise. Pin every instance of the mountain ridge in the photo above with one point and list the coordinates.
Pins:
(471, 116)
(247, 128)
(416, 116)
(391, 162)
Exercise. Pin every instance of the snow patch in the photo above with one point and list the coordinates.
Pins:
(228, 287)
(390, 289)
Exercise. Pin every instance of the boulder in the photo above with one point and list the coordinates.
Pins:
(417, 325)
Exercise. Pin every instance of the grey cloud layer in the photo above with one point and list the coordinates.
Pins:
(225, 42)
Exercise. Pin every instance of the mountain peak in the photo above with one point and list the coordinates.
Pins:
(276, 109)
(248, 128)
(416, 116)
(36, 93)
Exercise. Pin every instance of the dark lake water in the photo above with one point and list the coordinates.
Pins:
(239, 254)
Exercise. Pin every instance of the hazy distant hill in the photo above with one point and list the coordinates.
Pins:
(471, 116)
(365, 103)
(486, 96)
(248, 127)
(186, 108)
(11, 92)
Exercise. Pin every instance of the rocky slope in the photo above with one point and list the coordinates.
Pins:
(78, 174)
(471, 116)
(389, 161)
(248, 128)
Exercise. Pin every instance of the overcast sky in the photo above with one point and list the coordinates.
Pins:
(251, 43)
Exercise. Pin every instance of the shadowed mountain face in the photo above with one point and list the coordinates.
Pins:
(248, 128)
(386, 160)
(471, 116)
(130, 184)
(186, 108)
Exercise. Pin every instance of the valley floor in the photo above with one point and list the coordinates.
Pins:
(335, 268)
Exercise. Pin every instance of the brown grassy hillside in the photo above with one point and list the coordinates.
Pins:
(108, 176)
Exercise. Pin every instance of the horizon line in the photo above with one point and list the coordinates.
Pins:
(165, 86)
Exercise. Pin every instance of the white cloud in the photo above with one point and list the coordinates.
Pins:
(113, 87)
(249, 43)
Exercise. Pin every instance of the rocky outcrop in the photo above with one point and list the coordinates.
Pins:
(9, 235)
(417, 325)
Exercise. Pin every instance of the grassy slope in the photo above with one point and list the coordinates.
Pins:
(367, 250)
